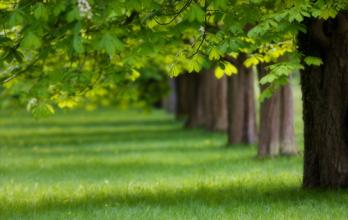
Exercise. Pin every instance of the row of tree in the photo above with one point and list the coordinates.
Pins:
(55, 53)
(229, 104)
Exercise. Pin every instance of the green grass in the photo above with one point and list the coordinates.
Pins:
(132, 165)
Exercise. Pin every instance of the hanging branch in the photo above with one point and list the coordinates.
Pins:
(204, 35)
(176, 15)
(15, 75)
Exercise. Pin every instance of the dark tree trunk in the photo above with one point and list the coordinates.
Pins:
(277, 122)
(169, 102)
(241, 105)
(208, 107)
(195, 114)
(325, 103)
(215, 102)
(181, 108)
(184, 94)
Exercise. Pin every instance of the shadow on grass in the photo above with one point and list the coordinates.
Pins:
(165, 148)
(89, 137)
(82, 167)
(230, 196)
(90, 123)
(150, 137)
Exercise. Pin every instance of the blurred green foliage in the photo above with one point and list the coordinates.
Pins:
(59, 52)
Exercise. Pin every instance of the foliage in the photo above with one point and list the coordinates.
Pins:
(58, 51)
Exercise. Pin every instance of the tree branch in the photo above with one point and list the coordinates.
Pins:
(204, 36)
(15, 75)
(187, 4)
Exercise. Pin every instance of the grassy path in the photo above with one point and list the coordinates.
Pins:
(132, 165)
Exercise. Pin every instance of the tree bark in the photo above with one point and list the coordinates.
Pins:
(208, 107)
(184, 94)
(277, 122)
(269, 137)
(195, 115)
(287, 131)
(325, 103)
(215, 102)
(169, 101)
(241, 105)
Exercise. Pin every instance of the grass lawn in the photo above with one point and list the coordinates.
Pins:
(132, 165)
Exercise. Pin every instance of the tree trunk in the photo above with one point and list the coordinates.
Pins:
(277, 122)
(195, 115)
(184, 94)
(269, 137)
(287, 131)
(241, 105)
(208, 108)
(215, 102)
(169, 102)
(325, 103)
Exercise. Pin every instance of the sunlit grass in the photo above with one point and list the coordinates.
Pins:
(131, 165)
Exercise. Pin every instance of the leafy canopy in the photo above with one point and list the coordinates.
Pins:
(64, 52)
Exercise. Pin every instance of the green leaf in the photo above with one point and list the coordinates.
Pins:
(230, 69)
(269, 78)
(219, 72)
(134, 5)
(31, 41)
(41, 12)
(251, 61)
(280, 71)
(225, 68)
(220, 3)
(175, 70)
(214, 54)
(134, 75)
(39, 109)
(258, 30)
(78, 45)
(193, 66)
(16, 18)
(315, 61)
(110, 44)
(73, 15)
(67, 102)
(195, 13)
(59, 7)
(328, 12)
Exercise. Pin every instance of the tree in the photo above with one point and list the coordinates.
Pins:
(325, 102)
(277, 122)
(241, 105)
(322, 28)
(207, 101)
(56, 52)
(185, 89)
(169, 101)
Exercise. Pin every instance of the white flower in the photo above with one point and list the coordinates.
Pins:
(32, 103)
(202, 29)
(85, 9)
